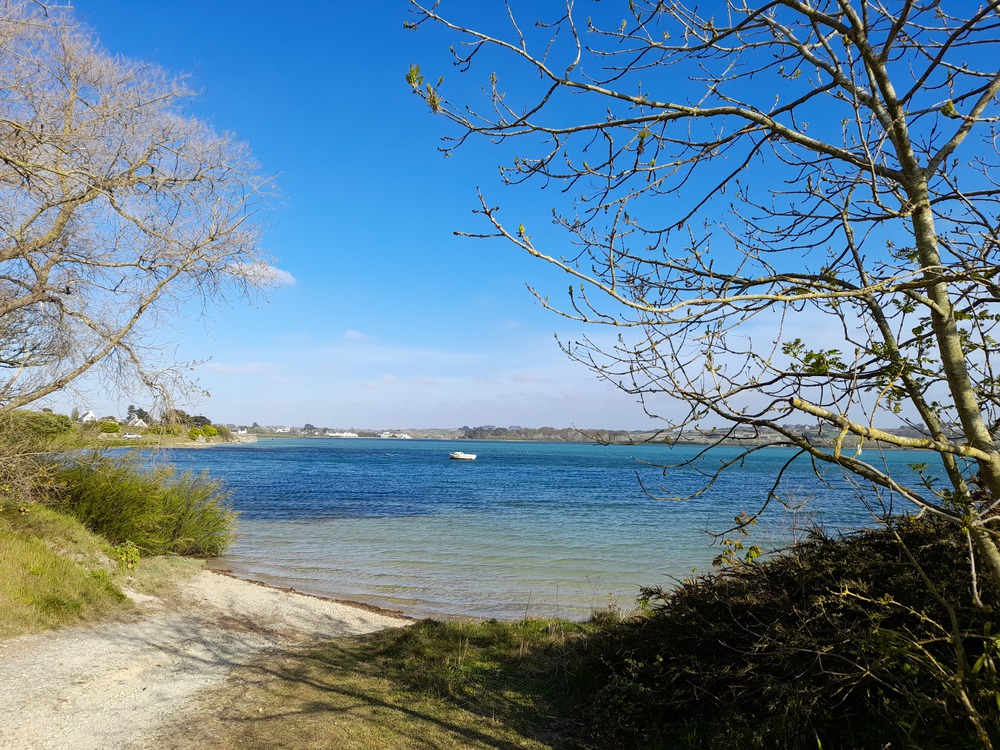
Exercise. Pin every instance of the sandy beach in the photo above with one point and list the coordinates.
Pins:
(123, 684)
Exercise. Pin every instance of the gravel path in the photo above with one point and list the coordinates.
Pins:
(115, 685)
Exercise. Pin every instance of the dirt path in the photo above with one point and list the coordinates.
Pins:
(114, 685)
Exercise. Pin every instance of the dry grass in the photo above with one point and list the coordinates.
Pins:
(433, 685)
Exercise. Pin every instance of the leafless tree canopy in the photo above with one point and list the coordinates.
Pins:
(115, 207)
(745, 172)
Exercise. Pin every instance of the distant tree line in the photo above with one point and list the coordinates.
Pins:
(552, 434)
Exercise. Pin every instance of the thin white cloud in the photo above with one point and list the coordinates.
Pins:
(531, 378)
(243, 368)
(385, 383)
(264, 274)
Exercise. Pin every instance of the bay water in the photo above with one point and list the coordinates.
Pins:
(527, 529)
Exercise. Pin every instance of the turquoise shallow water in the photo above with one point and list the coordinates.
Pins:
(527, 528)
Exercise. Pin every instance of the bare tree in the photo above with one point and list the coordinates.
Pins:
(115, 208)
(738, 169)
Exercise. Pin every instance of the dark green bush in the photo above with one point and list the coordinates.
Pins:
(837, 644)
(109, 427)
(162, 429)
(157, 510)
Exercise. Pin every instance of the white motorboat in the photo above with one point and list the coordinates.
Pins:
(462, 456)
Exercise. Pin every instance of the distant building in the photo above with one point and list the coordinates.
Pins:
(88, 417)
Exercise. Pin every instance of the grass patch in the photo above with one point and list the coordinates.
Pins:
(156, 576)
(52, 572)
(431, 685)
(157, 510)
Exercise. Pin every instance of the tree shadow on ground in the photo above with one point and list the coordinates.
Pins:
(432, 685)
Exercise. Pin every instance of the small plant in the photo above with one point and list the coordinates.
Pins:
(461, 653)
(127, 555)
(734, 551)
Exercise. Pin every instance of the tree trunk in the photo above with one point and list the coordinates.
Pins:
(960, 385)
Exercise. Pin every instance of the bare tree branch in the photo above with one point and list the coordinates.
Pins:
(115, 207)
(736, 172)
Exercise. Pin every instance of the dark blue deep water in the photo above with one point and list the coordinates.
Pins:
(527, 528)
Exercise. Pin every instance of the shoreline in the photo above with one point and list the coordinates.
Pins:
(276, 584)
(538, 607)
(128, 682)
(219, 567)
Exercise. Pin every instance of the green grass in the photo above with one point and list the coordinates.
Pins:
(431, 685)
(53, 572)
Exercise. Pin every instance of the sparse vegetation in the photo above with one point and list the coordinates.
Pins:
(434, 684)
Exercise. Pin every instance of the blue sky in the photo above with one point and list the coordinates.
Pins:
(391, 320)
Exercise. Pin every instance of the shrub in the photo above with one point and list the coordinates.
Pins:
(35, 424)
(837, 643)
(108, 427)
(25, 436)
(126, 554)
(162, 429)
(156, 510)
